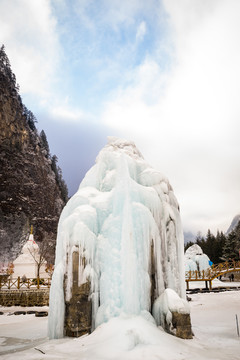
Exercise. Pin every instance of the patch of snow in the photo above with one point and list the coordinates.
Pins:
(167, 303)
(131, 337)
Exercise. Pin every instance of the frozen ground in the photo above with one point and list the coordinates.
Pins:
(215, 284)
(213, 321)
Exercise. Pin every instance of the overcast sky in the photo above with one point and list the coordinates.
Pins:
(163, 73)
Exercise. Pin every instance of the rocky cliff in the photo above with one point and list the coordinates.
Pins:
(31, 187)
(234, 224)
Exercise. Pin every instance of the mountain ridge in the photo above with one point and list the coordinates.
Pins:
(32, 191)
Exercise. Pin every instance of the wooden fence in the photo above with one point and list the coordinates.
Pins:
(212, 272)
(18, 283)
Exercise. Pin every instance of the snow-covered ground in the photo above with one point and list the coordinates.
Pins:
(215, 284)
(213, 322)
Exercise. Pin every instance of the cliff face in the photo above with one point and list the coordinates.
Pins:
(30, 191)
(234, 224)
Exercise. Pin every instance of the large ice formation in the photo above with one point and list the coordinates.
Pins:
(124, 221)
(195, 259)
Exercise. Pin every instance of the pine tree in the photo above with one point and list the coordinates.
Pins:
(30, 118)
(7, 77)
(201, 241)
(219, 244)
(58, 173)
(54, 165)
(232, 245)
(210, 247)
(44, 143)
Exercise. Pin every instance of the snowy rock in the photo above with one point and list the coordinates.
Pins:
(234, 224)
(123, 225)
(193, 251)
(173, 314)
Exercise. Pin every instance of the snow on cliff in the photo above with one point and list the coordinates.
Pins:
(122, 210)
(234, 223)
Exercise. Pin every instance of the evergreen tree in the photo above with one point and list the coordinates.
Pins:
(54, 165)
(8, 80)
(58, 173)
(232, 245)
(219, 244)
(30, 118)
(201, 241)
(7, 77)
(44, 143)
(211, 245)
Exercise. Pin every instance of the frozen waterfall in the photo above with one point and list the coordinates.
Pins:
(124, 223)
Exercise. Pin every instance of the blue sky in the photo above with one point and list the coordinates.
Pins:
(163, 73)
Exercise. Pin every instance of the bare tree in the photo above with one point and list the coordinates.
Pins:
(42, 253)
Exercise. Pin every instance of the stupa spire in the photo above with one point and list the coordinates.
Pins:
(31, 238)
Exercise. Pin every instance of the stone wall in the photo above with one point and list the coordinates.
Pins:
(24, 297)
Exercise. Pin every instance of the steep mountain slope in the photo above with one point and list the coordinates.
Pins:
(31, 189)
(234, 223)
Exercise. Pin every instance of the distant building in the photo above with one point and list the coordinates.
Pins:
(25, 265)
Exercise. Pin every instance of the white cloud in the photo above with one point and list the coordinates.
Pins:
(113, 13)
(185, 121)
(141, 31)
(28, 30)
(187, 125)
(67, 114)
(125, 11)
(30, 34)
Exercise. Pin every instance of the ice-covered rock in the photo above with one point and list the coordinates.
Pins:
(195, 259)
(123, 229)
(173, 314)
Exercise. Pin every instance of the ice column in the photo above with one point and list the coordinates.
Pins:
(121, 232)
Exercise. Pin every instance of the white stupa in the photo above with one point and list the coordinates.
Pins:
(26, 263)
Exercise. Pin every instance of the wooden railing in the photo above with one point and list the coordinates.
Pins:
(18, 283)
(212, 272)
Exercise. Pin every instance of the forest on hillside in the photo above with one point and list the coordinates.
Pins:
(32, 188)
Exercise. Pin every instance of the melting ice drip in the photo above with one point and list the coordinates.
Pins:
(123, 218)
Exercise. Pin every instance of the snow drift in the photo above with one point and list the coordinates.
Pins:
(124, 221)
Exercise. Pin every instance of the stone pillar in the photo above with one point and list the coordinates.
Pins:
(78, 311)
